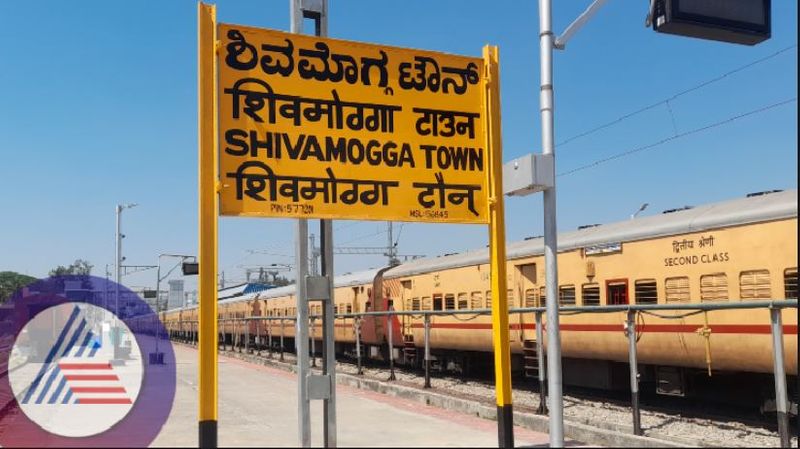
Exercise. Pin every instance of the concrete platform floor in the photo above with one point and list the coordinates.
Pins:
(258, 407)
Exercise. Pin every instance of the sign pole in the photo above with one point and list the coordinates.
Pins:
(301, 273)
(301, 335)
(208, 207)
(497, 245)
(328, 342)
(550, 237)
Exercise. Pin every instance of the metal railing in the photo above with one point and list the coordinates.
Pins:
(631, 310)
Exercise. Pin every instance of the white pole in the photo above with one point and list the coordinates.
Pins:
(117, 279)
(550, 238)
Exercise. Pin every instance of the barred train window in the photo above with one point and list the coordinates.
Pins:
(437, 302)
(714, 287)
(790, 283)
(449, 302)
(754, 284)
(543, 294)
(566, 295)
(677, 289)
(408, 304)
(510, 298)
(530, 298)
(476, 300)
(488, 299)
(646, 291)
(415, 304)
(426, 303)
(349, 308)
(590, 294)
(463, 301)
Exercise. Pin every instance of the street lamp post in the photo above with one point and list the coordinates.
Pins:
(641, 209)
(118, 277)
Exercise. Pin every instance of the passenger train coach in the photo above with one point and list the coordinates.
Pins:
(739, 250)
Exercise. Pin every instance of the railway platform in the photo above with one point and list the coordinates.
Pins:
(258, 407)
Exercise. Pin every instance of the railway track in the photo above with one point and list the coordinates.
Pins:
(682, 422)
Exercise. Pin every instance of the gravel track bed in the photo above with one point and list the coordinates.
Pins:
(668, 425)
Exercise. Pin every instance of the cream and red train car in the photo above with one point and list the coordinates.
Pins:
(739, 250)
(352, 294)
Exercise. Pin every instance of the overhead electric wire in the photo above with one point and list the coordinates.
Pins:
(678, 136)
(399, 233)
(364, 236)
(675, 96)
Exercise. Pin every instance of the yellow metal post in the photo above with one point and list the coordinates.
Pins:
(209, 202)
(497, 245)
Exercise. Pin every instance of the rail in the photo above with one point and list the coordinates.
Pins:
(773, 305)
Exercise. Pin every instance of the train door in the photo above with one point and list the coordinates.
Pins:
(405, 304)
(355, 307)
(616, 292)
(525, 290)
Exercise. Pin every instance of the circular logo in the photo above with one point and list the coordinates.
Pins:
(77, 371)
(87, 363)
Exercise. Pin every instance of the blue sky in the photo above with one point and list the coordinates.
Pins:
(98, 106)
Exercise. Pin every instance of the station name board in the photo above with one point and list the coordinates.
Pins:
(325, 128)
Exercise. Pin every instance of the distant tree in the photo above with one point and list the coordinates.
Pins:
(281, 281)
(79, 268)
(10, 282)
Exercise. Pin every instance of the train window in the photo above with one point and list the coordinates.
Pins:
(406, 284)
(790, 283)
(408, 304)
(617, 292)
(510, 298)
(426, 303)
(566, 295)
(646, 291)
(463, 301)
(450, 302)
(677, 289)
(437, 302)
(488, 299)
(476, 300)
(349, 308)
(530, 298)
(590, 293)
(415, 304)
(714, 287)
(754, 284)
(542, 295)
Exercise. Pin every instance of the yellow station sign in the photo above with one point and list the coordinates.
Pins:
(325, 128)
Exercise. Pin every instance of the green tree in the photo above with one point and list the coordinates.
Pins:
(79, 268)
(280, 281)
(10, 282)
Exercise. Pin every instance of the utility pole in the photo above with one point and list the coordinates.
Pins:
(546, 105)
(314, 257)
(118, 275)
(391, 249)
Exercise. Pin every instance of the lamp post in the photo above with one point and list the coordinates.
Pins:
(641, 209)
(118, 277)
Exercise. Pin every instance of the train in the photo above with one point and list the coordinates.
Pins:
(743, 249)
